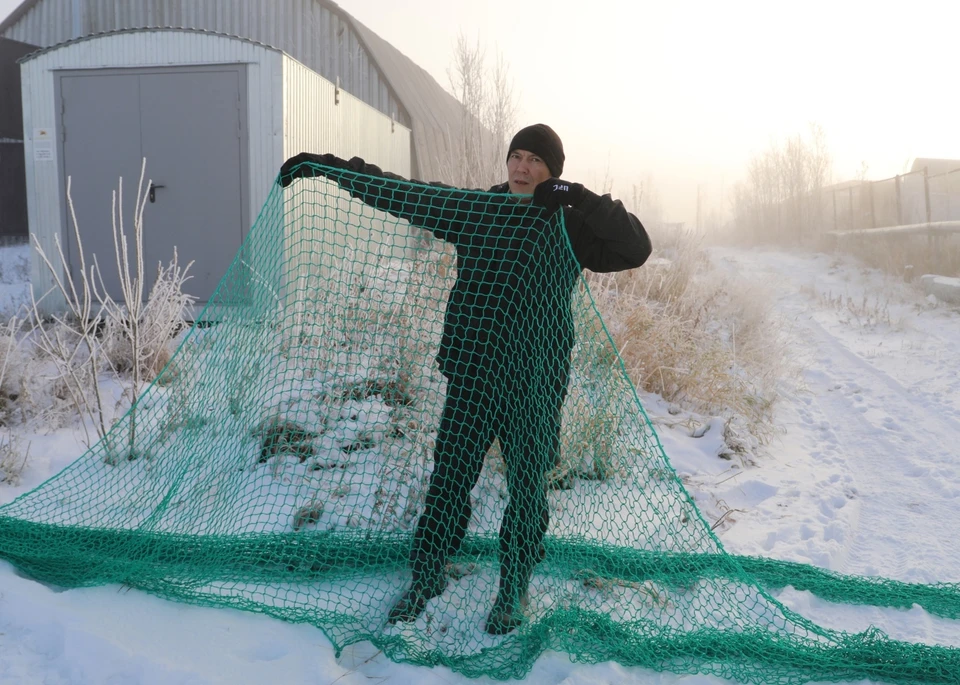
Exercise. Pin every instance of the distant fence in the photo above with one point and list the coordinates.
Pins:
(910, 199)
(883, 220)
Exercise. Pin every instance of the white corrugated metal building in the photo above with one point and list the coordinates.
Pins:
(214, 116)
(251, 83)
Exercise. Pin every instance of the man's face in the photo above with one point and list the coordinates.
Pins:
(524, 171)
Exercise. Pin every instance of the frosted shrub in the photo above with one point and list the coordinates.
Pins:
(96, 334)
(160, 320)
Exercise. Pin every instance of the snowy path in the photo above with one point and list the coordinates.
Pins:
(897, 440)
(899, 449)
(877, 430)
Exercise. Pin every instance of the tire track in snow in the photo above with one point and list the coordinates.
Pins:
(901, 453)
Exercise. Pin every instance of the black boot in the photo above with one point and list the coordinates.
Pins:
(414, 600)
(506, 614)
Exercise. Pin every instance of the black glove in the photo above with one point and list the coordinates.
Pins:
(554, 193)
(299, 166)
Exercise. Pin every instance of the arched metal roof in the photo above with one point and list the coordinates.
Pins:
(383, 77)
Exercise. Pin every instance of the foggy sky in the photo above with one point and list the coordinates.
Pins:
(687, 92)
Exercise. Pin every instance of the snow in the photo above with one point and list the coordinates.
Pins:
(862, 479)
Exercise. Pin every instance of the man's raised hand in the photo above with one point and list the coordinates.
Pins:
(555, 192)
(302, 166)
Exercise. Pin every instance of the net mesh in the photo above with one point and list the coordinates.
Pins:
(320, 440)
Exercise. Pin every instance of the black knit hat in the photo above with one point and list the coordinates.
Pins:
(542, 141)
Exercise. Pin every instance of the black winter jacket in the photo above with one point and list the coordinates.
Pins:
(508, 315)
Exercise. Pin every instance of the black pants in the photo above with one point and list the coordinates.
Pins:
(528, 426)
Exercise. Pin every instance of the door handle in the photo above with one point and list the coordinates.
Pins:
(153, 192)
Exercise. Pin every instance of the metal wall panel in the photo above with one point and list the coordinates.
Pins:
(314, 122)
(318, 119)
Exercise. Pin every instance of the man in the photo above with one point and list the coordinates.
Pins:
(507, 339)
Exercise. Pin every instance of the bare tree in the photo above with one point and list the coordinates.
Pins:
(501, 116)
(796, 184)
(487, 115)
(645, 201)
(466, 80)
(605, 185)
(820, 163)
(782, 198)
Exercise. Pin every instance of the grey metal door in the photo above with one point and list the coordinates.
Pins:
(187, 123)
(190, 132)
(100, 129)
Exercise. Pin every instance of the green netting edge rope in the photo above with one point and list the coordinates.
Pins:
(103, 556)
(163, 563)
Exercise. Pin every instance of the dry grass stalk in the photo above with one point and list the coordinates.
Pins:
(587, 447)
(12, 462)
(71, 341)
(307, 515)
(11, 363)
(138, 332)
(694, 337)
(161, 317)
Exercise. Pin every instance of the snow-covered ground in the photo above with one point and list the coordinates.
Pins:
(863, 478)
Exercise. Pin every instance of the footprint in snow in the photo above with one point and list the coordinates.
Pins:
(268, 651)
(833, 533)
(890, 424)
(829, 505)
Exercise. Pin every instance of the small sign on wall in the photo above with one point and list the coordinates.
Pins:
(43, 145)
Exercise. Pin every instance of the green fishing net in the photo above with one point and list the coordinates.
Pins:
(281, 462)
